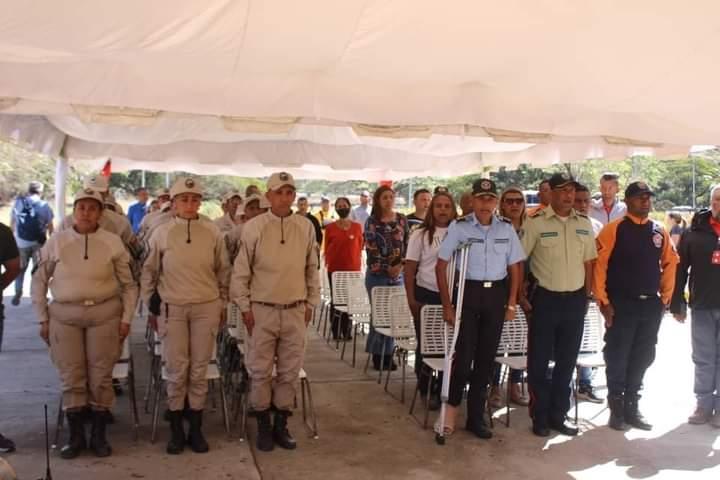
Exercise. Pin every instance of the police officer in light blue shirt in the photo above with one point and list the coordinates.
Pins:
(491, 290)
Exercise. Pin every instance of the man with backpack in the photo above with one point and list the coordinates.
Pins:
(31, 220)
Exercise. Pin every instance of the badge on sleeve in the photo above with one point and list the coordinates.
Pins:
(716, 257)
(658, 240)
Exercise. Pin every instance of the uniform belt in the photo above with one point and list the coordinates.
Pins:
(562, 294)
(487, 283)
(87, 303)
(281, 306)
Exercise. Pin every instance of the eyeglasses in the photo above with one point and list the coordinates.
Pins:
(514, 201)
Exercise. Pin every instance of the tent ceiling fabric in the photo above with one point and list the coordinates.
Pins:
(467, 83)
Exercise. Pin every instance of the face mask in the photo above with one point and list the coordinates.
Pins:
(343, 212)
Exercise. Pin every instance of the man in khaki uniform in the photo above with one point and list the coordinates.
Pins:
(188, 266)
(561, 248)
(230, 203)
(276, 285)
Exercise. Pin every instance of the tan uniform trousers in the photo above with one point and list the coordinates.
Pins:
(84, 346)
(278, 334)
(188, 333)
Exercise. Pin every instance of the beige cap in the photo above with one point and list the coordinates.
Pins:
(97, 182)
(264, 203)
(186, 185)
(279, 180)
(162, 192)
(233, 193)
(88, 193)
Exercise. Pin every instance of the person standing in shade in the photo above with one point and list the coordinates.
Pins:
(561, 249)
(188, 266)
(276, 285)
(608, 208)
(420, 280)
(493, 279)
(511, 208)
(138, 210)
(386, 233)
(31, 220)
(545, 195)
(94, 296)
(343, 253)
(10, 265)
(361, 213)
(466, 203)
(634, 282)
(303, 209)
(699, 251)
(421, 200)
(230, 202)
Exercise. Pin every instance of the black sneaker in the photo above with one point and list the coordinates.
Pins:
(6, 445)
(586, 393)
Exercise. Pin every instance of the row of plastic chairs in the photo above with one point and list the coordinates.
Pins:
(511, 352)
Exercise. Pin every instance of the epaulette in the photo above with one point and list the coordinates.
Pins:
(583, 215)
(461, 219)
(504, 219)
(538, 213)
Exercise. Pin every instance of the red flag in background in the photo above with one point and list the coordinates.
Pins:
(107, 169)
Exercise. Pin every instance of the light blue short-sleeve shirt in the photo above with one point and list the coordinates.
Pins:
(493, 248)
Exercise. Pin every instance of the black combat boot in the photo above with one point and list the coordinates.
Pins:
(265, 433)
(98, 442)
(195, 438)
(76, 441)
(176, 445)
(617, 412)
(281, 435)
(633, 417)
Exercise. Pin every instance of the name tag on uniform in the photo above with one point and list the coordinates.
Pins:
(582, 232)
(548, 234)
(502, 240)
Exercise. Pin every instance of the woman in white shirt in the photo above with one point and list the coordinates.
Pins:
(420, 281)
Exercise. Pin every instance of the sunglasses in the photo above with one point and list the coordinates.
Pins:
(514, 201)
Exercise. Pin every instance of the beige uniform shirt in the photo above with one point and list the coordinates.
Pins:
(113, 223)
(558, 249)
(187, 263)
(224, 223)
(277, 262)
(80, 268)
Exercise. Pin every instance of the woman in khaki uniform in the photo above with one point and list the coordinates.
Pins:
(188, 266)
(87, 270)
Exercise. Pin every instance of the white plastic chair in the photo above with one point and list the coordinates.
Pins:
(380, 318)
(512, 352)
(340, 297)
(434, 337)
(359, 310)
(402, 329)
(591, 346)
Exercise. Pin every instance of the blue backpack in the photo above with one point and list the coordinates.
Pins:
(29, 225)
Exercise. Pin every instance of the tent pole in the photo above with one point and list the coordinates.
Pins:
(142, 180)
(61, 172)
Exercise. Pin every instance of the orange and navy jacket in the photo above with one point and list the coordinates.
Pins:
(627, 256)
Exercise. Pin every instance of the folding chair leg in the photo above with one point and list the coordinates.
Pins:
(151, 382)
(382, 363)
(576, 384)
(156, 409)
(404, 363)
(342, 352)
(427, 401)
(355, 344)
(132, 398)
(367, 363)
(414, 399)
(305, 387)
(223, 405)
(387, 377)
(59, 424)
(507, 399)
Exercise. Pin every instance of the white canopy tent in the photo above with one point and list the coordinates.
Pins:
(373, 89)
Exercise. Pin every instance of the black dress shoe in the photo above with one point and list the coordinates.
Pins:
(479, 429)
(565, 428)
(540, 430)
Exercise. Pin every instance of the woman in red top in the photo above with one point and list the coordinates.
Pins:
(343, 250)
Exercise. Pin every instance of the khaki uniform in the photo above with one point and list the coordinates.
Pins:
(113, 223)
(276, 276)
(224, 223)
(93, 291)
(188, 265)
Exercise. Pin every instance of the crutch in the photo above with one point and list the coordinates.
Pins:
(459, 258)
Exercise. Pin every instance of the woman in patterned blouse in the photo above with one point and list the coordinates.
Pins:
(386, 233)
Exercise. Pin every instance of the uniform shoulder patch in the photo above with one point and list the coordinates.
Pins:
(582, 215)
(538, 213)
(504, 219)
(461, 220)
